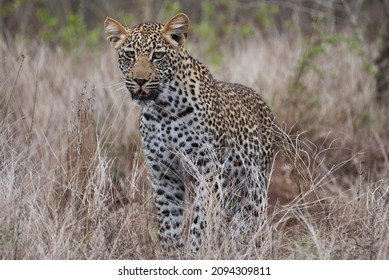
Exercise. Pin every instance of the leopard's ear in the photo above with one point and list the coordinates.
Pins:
(116, 32)
(176, 29)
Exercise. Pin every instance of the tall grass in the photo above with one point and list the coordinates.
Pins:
(73, 183)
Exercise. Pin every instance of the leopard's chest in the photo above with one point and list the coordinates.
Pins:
(174, 126)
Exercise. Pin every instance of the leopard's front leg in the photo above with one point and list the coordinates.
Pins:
(169, 193)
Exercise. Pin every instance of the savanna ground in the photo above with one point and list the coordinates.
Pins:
(73, 183)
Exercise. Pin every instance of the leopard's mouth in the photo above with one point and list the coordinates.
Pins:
(142, 95)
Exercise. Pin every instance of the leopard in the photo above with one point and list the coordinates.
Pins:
(218, 136)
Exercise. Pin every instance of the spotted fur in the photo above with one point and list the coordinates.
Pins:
(217, 135)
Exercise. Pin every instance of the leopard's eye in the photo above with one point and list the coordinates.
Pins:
(129, 54)
(158, 55)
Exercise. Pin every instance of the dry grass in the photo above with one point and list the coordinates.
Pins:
(73, 182)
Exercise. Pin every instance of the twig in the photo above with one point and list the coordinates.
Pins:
(13, 87)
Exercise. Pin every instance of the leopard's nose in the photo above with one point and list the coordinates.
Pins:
(140, 82)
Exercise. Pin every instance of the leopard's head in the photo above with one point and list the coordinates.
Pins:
(149, 54)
